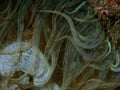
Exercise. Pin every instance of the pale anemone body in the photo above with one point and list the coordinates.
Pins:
(66, 47)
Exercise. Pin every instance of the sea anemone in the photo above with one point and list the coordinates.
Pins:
(56, 45)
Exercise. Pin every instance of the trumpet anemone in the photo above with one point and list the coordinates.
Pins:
(56, 45)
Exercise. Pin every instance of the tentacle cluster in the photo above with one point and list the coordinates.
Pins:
(57, 44)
